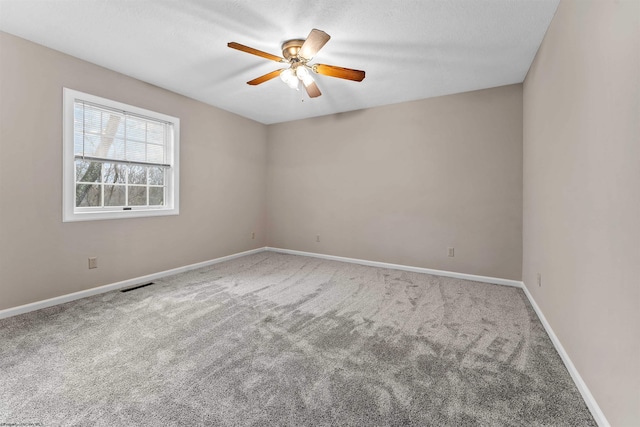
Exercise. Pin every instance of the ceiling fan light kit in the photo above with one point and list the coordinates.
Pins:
(297, 53)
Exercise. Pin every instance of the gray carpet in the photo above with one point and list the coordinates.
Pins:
(274, 339)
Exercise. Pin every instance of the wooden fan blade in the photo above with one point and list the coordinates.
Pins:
(266, 77)
(312, 90)
(314, 42)
(243, 48)
(339, 72)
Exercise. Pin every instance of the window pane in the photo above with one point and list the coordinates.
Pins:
(120, 131)
(156, 196)
(114, 195)
(81, 169)
(137, 195)
(156, 176)
(137, 174)
(77, 117)
(88, 171)
(136, 151)
(110, 123)
(155, 133)
(88, 195)
(155, 153)
(92, 120)
(116, 148)
(136, 129)
(91, 145)
(99, 129)
(114, 173)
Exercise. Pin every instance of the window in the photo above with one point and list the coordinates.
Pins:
(120, 161)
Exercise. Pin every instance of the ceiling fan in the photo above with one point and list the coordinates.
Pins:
(297, 53)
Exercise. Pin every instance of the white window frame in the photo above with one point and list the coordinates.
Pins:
(70, 212)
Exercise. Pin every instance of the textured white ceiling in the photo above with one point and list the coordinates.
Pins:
(410, 49)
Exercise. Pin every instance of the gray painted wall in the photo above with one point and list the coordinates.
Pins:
(582, 194)
(223, 172)
(404, 182)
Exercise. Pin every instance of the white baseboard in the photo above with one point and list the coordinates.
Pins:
(14, 311)
(473, 277)
(593, 406)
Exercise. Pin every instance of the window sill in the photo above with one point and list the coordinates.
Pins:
(119, 214)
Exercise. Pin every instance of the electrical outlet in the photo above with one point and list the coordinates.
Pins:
(253, 235)
(539, 280)
(452, 252)
(93, 262)
(317, 238)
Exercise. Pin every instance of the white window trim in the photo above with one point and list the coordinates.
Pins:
(69, 211)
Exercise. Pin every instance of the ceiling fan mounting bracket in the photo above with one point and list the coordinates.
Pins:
(290, 48)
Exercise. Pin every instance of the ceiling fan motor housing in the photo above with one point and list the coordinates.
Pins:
(291, 48)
